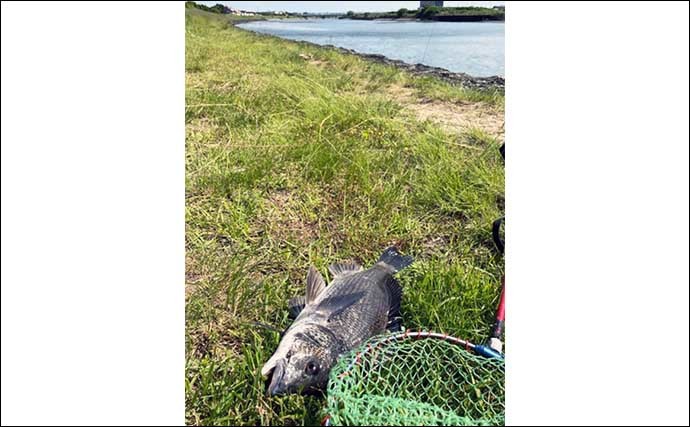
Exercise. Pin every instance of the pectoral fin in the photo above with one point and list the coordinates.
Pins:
(335, 305)
(296, 305)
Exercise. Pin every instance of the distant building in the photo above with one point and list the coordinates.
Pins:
(238, 12)
(423, 4)
(503, 8)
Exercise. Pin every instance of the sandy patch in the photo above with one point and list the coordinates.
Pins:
(453, 117)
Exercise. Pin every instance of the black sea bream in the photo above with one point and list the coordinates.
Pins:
(331, 320)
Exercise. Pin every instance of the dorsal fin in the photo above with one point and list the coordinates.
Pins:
(344, 268)
(315, 284)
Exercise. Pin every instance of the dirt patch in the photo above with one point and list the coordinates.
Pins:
(284, 218)
(202, 345)
(193, 275)
(453, 117)
(311, 60)
(198, 126)
(458, 118)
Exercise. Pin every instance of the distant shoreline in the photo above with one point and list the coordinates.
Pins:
(442, 18)
(435, 13)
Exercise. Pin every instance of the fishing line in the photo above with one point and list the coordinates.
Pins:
(428, 40)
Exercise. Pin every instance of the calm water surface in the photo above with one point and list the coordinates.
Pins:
(475, 48)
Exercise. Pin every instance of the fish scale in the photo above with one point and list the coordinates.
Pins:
(369, 315)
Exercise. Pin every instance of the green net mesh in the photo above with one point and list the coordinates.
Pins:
(416, 379)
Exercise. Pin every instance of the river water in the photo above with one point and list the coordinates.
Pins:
(475, 48)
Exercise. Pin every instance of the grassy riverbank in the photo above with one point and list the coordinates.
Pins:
(299, 155)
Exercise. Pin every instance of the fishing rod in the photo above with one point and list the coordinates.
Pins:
(494, 340)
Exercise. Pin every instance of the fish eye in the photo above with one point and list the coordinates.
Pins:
(312, 368)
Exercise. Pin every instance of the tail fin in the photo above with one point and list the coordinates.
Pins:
(393, 261)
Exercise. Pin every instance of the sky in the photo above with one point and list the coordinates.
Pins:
(337, 6)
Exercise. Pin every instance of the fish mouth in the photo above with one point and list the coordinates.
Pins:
(277, 385)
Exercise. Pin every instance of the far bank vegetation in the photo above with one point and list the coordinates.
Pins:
(435, 13)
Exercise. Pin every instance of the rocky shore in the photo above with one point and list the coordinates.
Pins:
(466, 80)
(463, 79)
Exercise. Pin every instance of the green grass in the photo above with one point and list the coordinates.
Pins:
(435, 89)
(292, 162)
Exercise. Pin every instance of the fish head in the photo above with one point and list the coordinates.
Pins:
(301, 364)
